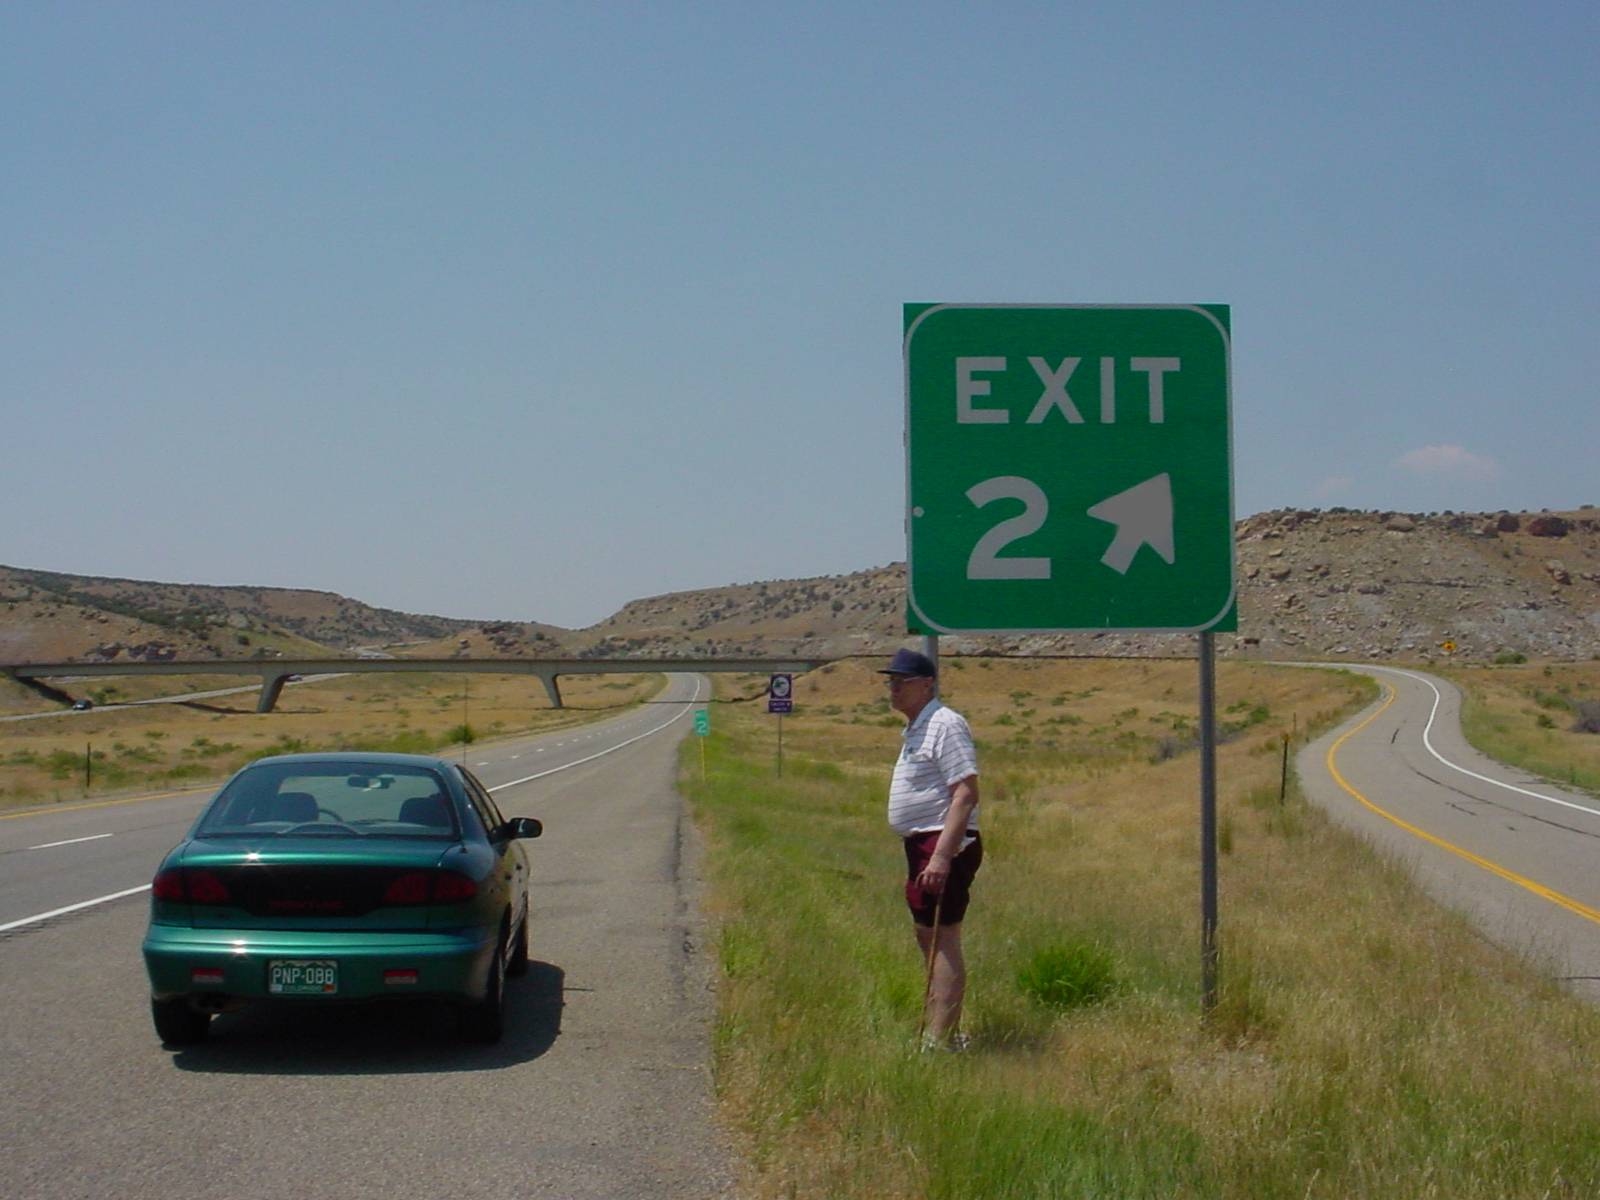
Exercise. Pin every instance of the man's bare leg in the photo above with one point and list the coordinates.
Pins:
(949, 986)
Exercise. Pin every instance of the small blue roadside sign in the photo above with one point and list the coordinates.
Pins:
(780, 694)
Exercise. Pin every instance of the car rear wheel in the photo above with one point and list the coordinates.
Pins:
(484, 1020)
(177, 1024)
(518, 966)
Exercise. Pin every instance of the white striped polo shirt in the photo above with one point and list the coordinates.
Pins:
(936, 754)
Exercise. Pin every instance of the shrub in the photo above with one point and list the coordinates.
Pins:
(1588, 716)
(404, 741)
(63, 764)
(1069, 975)
(1171, 747)
(1509, 658)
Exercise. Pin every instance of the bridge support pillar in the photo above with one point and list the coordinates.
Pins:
(271, 689)
(551, 687)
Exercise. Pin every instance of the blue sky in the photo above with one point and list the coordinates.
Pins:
(522, 311)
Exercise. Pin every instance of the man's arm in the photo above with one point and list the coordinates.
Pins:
(963, 799)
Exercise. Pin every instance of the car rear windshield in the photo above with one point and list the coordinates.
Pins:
(334, 800)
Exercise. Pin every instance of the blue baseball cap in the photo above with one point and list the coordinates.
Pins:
(909, 662)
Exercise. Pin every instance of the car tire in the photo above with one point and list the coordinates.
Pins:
(484, 1020)
(517, 967)
(177, 1024)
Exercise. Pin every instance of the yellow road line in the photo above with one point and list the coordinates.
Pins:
(1538, 889)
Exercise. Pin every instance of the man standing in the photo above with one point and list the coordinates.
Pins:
(933, 805)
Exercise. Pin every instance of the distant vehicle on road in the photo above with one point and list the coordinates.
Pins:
(320, 878)
(82, 705)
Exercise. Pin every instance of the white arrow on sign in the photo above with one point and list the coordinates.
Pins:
(1143, 516)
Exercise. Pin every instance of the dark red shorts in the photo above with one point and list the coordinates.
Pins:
(957, 889)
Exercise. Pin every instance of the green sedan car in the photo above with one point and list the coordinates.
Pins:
(322, 878)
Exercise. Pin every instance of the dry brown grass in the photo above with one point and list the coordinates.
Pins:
(1079, 710)
(152, 746)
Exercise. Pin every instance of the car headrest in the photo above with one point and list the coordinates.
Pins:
(298, 807)
(426, 810)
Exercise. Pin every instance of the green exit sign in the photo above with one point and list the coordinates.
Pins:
(1068, 468)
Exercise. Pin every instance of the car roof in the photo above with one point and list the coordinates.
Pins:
(368, 757)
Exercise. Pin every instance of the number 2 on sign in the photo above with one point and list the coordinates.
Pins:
(985, 561)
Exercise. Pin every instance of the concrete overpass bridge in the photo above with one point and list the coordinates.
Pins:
(275, 672)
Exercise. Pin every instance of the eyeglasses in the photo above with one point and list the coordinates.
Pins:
(899, 681)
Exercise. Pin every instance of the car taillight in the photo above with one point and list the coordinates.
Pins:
(429, 887)
(206, 888)
(410, 888)
(450, 888)
(184, 886)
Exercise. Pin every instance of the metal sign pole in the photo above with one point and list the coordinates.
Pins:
(1208, 824)
(702, 730)
(780, 699)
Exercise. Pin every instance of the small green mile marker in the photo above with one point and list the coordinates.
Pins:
(1068, 468)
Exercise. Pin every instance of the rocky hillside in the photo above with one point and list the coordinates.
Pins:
(45, 616)
(1335, 583)
(1326, 584)
(1368, 585)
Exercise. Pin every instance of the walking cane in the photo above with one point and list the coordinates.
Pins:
(927, 983)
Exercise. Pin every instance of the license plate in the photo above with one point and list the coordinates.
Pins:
(303, 977)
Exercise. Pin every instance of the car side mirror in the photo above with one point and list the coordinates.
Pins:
(522, 827)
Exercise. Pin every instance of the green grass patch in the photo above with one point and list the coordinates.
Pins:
(1068, 975)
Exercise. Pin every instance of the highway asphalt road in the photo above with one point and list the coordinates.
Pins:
(600, 1088)
(1515, 853)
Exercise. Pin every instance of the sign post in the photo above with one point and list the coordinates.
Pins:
(780, 700)
(702, 730)
(1069, 469)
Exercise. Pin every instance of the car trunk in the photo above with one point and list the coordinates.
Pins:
(312, 882)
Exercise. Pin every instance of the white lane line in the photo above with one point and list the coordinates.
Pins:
(612, 750)
(59, 912)
(1427, 742)
(93, 837)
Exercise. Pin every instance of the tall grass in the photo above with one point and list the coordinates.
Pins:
(1365, 1043)
(1531, 716)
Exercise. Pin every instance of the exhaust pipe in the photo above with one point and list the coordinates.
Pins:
(213, 1003)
